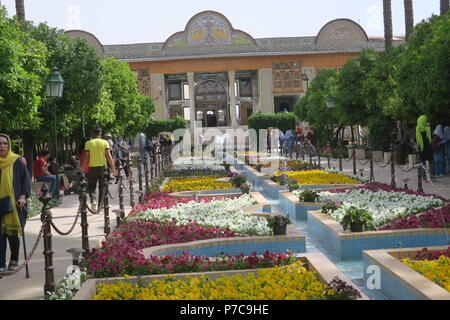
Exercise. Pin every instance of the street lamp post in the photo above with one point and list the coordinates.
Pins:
(54, 89)
(305, 78)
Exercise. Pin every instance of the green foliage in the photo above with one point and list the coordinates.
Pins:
(308, 196)
(313, 106)
(238, 180)
(283, 121)
(349, 97)
(278, 221)
(423, 72)
(154, 127)
(22, 70)
(356, 215)
(379, 137)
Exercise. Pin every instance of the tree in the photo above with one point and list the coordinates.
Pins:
(20, 9)
(423, 76)
(132, 110)
(409, 17)
(445, 6)
(349, 96)
(313, 107)
(387, 15)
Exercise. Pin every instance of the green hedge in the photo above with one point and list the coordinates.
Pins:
(283, 121)
(155, 127)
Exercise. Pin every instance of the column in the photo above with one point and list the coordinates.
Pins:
(265, 103)
(191, 84)
(231, 79)
(159, 97)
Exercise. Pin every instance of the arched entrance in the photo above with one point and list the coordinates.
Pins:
(211, 105)
(175, 111)
(246, 112)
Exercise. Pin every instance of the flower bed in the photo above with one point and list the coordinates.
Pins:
(197, 163)
(161, 200)
(195, 184)
(194, 172)
(437, 271)
(426, 254)
(433, 218)
(121, 253)
(218, 213)
(402, 278)
(290, 165)
(293, 282)
(383, 206)
(317, 177)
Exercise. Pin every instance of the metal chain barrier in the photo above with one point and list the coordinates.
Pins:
(384, 165)
(363, 163)
(22, 266)
(71, 228)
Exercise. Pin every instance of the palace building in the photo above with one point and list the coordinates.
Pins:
(219, 75)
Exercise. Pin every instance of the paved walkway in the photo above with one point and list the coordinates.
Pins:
(17, 287)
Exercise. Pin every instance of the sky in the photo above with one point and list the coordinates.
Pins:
(141, 21)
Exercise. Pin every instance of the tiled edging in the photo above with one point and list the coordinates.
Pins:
(397, 280)
(351, 244)
(294, 208)
(316, 261)
(233, 246)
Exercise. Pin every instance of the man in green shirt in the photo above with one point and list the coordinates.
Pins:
(98, 153)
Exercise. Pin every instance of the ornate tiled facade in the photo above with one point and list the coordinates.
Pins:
(211, 47)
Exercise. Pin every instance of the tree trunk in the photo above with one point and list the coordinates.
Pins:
(445, 6)
(387, 13)
(20, 9)
(28, 150)
(409, 17)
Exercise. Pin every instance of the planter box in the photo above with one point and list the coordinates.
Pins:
(377, 156)
(387, 157)
(360, 154)
(397, 280)
(412, 159)
(351, 245)
(294, 209)
(316, 262)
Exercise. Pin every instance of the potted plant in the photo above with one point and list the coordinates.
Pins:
(238, 179)
(308, 196)
(258, 167)
(293, 185)
(226, 166)
(330, 205)
(356, 219)
(282, 180)
(246, 187)
(278, 224)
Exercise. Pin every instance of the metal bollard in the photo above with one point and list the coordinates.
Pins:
(419, 179)
(372, 178)
(120, 216)
(405, 182)
(354, 159)
(46, 218)
(146, 172)
(83, 213)
(393, 184)
(107, 228)
(131, 184)
(140, 177)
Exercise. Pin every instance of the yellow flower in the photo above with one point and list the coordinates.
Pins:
(193, 184)
(317, 177)
(437, 271)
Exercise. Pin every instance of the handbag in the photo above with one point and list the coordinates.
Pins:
(5, 206)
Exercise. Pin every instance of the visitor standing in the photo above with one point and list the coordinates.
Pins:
(423, 139)
(447, 147)
(437, 142)
(143, 146)
(98, 153)
(109, 138)
(15, 188)
(41, 173)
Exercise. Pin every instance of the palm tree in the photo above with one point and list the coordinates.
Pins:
(387, 13)
(409, 17)
(20, 9)
(445, 6)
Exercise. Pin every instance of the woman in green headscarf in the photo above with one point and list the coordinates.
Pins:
(423, 138)
(14, 184)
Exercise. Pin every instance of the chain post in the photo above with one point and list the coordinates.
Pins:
(354, 159)
(393, 168)
(419, 179)
(310, 156)
(131, 183)
(329, 157)
(340, 159)
(84, 221)
(372, 178)
(146, 159)
(140, 177)
(107, 227)
(46, 218)
(121, 202)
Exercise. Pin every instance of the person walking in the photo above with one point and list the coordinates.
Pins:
(423, 139)
(98, 153)
(15, 188)
(121, 153)
(41, 173)
(438, 151)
